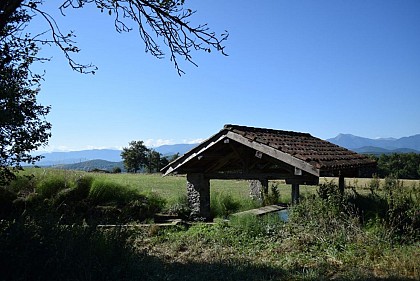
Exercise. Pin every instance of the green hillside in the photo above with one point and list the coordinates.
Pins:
(91, 165)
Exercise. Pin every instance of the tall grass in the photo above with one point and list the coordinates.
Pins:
(104, 192)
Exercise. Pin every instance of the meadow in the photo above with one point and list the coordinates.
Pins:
(48, 230)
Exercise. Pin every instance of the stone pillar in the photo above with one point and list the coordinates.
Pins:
(198, 192)
(295, 193)
(258, 189)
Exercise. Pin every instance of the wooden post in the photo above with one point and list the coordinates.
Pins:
(264, 185)
(341, 184)
(198, 191)
(295, 193)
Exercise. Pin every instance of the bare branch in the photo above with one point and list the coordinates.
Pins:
(167, 20)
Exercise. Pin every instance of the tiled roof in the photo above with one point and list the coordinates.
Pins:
(319, 153)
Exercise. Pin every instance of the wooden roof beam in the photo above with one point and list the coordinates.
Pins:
(284, 157)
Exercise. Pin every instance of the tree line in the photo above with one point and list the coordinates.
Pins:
(399, 165)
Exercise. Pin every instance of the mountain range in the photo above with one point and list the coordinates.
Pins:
(112, 157)
(378, 146)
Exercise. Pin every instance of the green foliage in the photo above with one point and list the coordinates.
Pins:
(399, 165)
(273, 195)
(403, 213)
(22, 119)
(179, 207)
(361, 239)
(44, 250)
(254, 226)
(155, 202)
(374, 183)
(135, 157)
(116, 170)
(223, 204)
(138, 157)
(49, 187)
(155, 161)
(330, 193)
(105, 192)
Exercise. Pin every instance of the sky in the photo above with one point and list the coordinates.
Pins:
(321, 67)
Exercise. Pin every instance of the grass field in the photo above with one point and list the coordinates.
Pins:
(171, 188)
(367, 236)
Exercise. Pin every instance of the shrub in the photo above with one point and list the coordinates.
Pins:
(49, 186)
(6, 202)
(105, 192)
(116, 170)
(42, 250)
(403, 215)
(155, 202)
(22, 185)
(273, 196)
(180, 207)
(223, 205)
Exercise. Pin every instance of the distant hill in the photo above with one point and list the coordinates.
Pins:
(378, 150)
(73, 157)
(354, 142)
(167, 150)
(91, 165)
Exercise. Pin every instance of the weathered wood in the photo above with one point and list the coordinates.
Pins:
(295, 193)
(262, 211)
(176, 166)
(277, 154)
(306, 179)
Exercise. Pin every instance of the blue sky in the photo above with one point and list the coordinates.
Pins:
(322, 67)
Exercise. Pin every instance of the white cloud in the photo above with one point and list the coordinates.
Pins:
(63, 148)
(193, 141)
(158, 142)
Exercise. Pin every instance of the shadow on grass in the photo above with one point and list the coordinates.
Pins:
(33, 250)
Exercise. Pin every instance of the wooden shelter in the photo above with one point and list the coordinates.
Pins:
(240, 152)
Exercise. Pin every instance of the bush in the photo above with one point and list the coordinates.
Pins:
(22, 185)
(6, 202)
(403, 215)
(43, 250)
(116, 170)
(49, 186)
(180, 207)
(223, 205)
(105, 192)
(273, 196)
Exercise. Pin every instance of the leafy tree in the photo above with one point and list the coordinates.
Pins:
(153, 163)
(22, 120)
(156, 161)
(163, 162)
(135, 157)
(173, 157)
